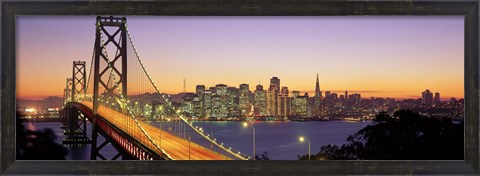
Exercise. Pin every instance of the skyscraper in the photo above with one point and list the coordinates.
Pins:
(427, 97)
(219, 101)
(284, 102)
(299, 104)
(436, 99)
(273, 93)
(318, 93)
(355, 97)
(334, 96)
(232, 102)
(316, 101)
(198, 102)
(275, 82)
(221, 89)
(244, 102)
(327, 94)
(200, 89)
(207, 103)
(197, 106)
(260, 101)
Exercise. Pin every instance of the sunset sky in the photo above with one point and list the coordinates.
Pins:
(396, 57)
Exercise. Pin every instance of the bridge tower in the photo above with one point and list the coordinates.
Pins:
(79, 79)
(68, 90)
(76, 122)
(110, 63)
(66, 98)
(119, 26)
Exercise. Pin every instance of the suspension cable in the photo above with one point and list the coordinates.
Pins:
(87, 90)
(229, 150)
(122, 99)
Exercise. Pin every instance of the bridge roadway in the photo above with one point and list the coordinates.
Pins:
(178, 148)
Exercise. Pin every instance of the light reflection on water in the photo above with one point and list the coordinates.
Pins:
(279, 139)
(30, 126)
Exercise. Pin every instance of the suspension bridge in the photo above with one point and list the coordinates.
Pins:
(121, 105)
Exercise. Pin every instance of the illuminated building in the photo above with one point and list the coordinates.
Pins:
(221, 89)
(334, 96)
(327, 95)
(355, 97)
(232, 102)
(299, 104)
(158, 110)
(217, 111)
(220, 101)
(284, 103)
(137, 110)
(318, 93)
(436, 99)
(316, 100)
(427, 97)
(200, 89)
(207, 103)
(273, 93)
(187, 104)
(147, 111)
(244, 100)
(309, 105)
(197, 106)
(260, 101)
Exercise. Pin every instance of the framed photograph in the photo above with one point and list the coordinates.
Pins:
(314, 87)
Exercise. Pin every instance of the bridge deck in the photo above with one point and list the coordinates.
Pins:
(178, 148)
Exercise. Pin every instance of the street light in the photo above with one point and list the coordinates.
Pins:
(301, 139)
(245, 124)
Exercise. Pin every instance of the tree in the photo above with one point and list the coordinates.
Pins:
(263, 156)
(404, 136)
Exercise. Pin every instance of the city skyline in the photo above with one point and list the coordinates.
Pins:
(288, 52)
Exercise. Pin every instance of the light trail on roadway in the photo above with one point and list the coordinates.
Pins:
(178, 148)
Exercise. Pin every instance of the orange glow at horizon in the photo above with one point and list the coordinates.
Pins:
(396, 57)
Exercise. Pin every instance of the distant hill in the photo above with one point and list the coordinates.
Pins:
(49, 102)
(150, 97)
(178, 98)
(57, 102)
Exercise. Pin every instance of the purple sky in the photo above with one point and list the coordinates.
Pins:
(377, 56)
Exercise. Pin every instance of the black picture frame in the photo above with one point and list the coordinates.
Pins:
(11, 9)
